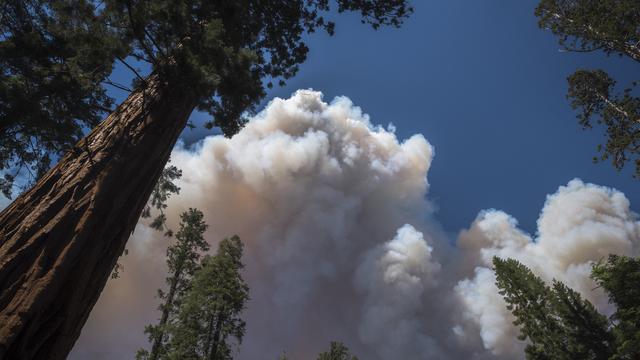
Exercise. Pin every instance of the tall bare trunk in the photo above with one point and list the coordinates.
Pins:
(60, 240)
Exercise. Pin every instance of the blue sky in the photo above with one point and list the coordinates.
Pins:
(485, 86)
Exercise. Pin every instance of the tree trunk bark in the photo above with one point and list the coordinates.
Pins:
(60, 240)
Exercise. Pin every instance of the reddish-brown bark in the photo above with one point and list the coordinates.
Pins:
(60, 240)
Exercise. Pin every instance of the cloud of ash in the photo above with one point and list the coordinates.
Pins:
(340, 243)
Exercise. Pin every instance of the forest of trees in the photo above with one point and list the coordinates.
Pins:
(81, 171)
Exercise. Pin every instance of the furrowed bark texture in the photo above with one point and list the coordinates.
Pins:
(60, 240)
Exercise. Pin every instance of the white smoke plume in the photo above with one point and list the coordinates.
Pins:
(396, 278)
(340, 243)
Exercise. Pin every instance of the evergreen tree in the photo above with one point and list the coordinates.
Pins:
(182, 261)
(209, 321)
(611, 26)
(559, 324)
(55, 57)
(337, 351)
(619, 276)
(216, 56)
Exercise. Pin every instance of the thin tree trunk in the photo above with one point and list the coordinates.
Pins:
(158, 340)
(216, 336)
(60, 240)
(207, 344)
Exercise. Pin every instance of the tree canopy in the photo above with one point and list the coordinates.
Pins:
(558, 323)
(610, 26)
(209, 325)
(183, 260)
(56, 57)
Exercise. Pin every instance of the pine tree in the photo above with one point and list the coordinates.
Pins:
(559, 324)
(209, 321)
(182, 261)
(337, 351)
(619, 276)
(67, 232)
(611, 26)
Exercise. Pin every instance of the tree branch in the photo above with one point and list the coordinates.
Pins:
(130, 68)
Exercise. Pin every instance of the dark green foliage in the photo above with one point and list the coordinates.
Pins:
(54, 56)
(611, 26)
(222, 51)
(620, 277)
(588, 25)
(592, 94)
(558, 324)
(338, 351)
(183, 261)
(209, 322)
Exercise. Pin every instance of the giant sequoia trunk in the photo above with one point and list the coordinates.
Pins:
(60, 240)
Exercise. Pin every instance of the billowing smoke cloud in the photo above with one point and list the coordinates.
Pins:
(396, 277)
(340, 244)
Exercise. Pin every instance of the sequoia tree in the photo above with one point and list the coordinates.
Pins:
(613, 27)
(60, 239)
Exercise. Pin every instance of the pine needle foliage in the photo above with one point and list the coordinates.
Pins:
(557, 323)
(183, 260)
(613, 27)
(209, 325)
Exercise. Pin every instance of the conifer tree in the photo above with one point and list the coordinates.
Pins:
(619, 276)
(613, 27)
(558, 324)
(182, 261)
(209, 322)
(67, 231)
